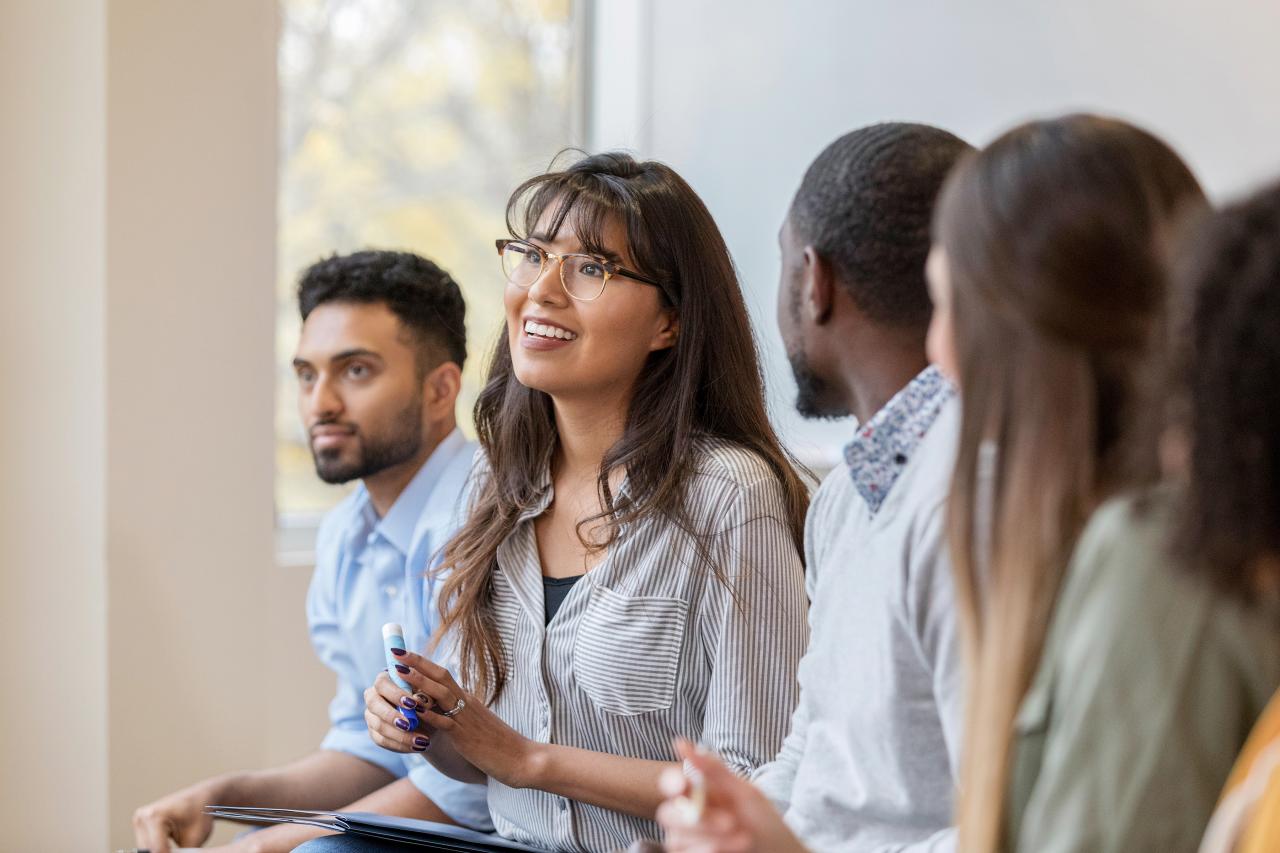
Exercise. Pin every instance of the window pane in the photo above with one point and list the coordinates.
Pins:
(404, 125)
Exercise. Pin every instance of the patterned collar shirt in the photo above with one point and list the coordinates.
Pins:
(870, 762)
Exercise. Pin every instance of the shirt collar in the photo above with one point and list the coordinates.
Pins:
(886, 443)
(401, 521)
(544, 492)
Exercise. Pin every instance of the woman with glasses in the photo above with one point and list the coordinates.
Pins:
(629, 572)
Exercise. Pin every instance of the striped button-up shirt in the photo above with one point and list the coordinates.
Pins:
(650, 645)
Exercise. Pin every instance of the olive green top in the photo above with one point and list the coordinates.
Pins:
(1147, 688)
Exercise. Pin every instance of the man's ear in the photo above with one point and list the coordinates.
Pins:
(817, 287)
(440, 389)
(668, 332)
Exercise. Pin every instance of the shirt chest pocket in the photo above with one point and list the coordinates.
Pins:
(627, 651)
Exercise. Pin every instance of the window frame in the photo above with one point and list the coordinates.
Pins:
(295, 532)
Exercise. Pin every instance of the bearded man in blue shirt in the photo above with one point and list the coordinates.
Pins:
(379, 365)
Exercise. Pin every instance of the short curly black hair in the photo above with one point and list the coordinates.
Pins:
(1231, 273)
(866, 205)
(424, 297)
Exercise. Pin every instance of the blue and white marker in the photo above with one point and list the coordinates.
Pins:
(393, 638)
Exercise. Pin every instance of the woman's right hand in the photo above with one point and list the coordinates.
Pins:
(383, 706)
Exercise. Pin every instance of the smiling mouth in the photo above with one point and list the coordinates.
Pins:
(538, 330)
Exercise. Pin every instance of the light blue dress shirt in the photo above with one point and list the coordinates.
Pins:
(371, 571)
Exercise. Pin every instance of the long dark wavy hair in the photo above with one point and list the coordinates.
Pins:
(1054, 236)
(708, 384)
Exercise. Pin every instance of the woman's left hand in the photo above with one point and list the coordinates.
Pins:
(475, 732)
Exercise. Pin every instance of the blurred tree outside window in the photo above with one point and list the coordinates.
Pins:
(405, 124)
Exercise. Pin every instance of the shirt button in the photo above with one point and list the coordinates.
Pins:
(392, 591)
(562, 805)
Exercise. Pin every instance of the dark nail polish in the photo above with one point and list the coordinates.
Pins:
(420, 743)
(406, 702)
(397, 652)
(402, 724)
(402, 669)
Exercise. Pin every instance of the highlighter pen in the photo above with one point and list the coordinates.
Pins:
(393, 638)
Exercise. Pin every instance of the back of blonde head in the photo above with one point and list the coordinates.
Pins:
(1052, 234)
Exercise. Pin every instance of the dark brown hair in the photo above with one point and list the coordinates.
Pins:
(425, 298)
(707, 385)
(1053, 240)
(865, 204)
(1231, 524)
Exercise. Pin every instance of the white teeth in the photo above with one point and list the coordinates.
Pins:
(544, 331)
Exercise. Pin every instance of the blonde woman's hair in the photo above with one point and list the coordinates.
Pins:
(1051, 235)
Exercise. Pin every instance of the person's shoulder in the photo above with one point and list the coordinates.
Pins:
(478, 469)
(337, 521)
(1131, 531)
(1125, 565)
(720, 463)
(1131, 612)
(730, 482)
(834, 494)
(478, 461)
(330, 536)
(1124, 590)
(467, 455)
(458, 476)
(836, 514)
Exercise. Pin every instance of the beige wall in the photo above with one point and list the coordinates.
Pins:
(138, 167)
(53, 719)
(190, 260)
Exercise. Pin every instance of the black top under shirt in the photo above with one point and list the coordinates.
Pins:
(554, 592)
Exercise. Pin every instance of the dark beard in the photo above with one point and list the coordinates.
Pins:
(813, 394)
(401, 443)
